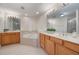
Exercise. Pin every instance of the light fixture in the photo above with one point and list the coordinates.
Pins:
(62, 15)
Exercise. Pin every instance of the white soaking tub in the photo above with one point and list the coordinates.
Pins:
(30, 38)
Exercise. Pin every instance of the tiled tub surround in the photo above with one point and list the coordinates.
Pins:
(59, 43)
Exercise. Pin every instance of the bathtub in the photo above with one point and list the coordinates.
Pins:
(31, 35)
(30, 38)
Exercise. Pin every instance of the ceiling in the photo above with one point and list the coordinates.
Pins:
(30, 9)
(67, 11)
(37, 9)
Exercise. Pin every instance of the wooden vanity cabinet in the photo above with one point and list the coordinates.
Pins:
(56, 46)
(10, 38)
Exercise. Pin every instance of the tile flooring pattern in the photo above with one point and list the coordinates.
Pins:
(18, 49)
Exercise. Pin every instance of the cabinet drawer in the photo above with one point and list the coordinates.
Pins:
(59, 41)
(74, 47)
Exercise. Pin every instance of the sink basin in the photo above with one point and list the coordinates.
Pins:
(64, 35)
(77, 37)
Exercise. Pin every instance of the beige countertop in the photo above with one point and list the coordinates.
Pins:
(64, 36)
(9, 31)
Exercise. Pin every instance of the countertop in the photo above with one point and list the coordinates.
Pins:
(10, 31)
(64, 36)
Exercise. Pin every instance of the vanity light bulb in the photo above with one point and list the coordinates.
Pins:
(62, 15)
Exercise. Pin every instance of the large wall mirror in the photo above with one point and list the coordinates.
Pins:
(12, 23)
(71, 22)
(65, 20)
(66, 23)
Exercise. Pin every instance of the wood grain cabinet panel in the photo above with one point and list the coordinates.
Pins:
(13, 38)
(42, 44)
(72, 46)
(10, 38)
(6, 39)
(0, 38)
(61, 50)
(58, 41)
(49, 45)
(17, 37)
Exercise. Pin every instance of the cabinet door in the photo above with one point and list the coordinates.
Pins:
(61, 50)
(17, 36)
(49, 45)
(42, 40)
(0, 38)
(6, 39)
(12, 36)
(72, 46)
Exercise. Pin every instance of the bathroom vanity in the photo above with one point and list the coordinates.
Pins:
(7, 38)
(10, 30)
(59, 45)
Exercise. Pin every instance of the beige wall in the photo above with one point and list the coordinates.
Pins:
(42, 23)
(28, 24)
(34, 24)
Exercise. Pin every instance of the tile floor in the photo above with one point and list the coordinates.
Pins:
(18, 49)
